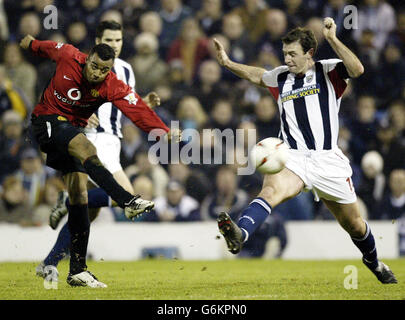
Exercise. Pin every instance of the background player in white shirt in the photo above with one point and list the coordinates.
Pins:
(104, 131)
(308, 94)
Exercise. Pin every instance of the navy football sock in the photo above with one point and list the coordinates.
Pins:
(367, 248)
(253, 216)
(60, 249)
(79, 228)
(106, 181)
(97, 198)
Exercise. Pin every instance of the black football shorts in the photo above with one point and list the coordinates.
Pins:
(53, 134)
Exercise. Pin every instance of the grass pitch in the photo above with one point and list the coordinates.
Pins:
(238, 279)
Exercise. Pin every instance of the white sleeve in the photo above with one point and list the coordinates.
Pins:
(335, 65)
(329, 64)
(269, 77)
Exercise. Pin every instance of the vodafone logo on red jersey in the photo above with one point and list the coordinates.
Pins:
(74, 94)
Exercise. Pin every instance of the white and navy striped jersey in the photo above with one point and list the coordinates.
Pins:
(309, 105)
(109, 115)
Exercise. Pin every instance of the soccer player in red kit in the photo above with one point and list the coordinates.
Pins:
(81, 84)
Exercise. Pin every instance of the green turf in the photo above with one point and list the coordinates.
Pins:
(191, 280)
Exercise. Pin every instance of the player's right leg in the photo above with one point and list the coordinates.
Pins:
(276, 189)
(81, 148)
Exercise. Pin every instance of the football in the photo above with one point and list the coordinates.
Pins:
(269, 155)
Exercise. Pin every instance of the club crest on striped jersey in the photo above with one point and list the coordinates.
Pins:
(308, 79)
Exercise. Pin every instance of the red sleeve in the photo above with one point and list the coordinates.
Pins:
(132, 105)
(51, 49)
(139, 113)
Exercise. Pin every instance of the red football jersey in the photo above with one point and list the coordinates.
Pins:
(70, 95)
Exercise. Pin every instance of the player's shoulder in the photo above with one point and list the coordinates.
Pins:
(118, 62)
(113, 88)
(70, 51)
(270, 76)
(329, 63)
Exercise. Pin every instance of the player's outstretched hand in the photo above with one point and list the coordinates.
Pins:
(174, 135)
(93, 122)
(152, 99)
(222, 57)
(329, 28)
(25, 42)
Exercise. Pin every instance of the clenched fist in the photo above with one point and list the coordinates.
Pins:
(329, 28)
(25, 42)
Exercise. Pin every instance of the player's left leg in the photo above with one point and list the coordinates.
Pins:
(276, 189)
(348, 216)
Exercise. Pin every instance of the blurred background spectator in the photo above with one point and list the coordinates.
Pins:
(227, 197)
(372, 185)
(146, 63)
(13, 203)
(175, 206)
(190, 47)
(20, 72)
(393, 203)
(32, 175)
(12, 97)
(12, 142)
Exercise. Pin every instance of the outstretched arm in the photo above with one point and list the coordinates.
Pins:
(46, 48)
(144, 117)
(350, 60)
(252, 74)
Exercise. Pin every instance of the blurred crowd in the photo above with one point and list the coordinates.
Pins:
(168, 43)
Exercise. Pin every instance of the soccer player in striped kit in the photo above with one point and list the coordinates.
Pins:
(308, 94)
(104, 131)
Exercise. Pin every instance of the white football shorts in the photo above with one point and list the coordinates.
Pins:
(108, 150)
(327, 173)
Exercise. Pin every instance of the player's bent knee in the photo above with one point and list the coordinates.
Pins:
(271, 195)
(357, 228)
(81, 147)
(354, 227)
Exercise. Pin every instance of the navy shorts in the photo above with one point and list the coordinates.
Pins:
(53, 134)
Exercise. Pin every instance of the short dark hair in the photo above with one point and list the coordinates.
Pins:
(107, 25)
(104, 51)
(304, 36)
